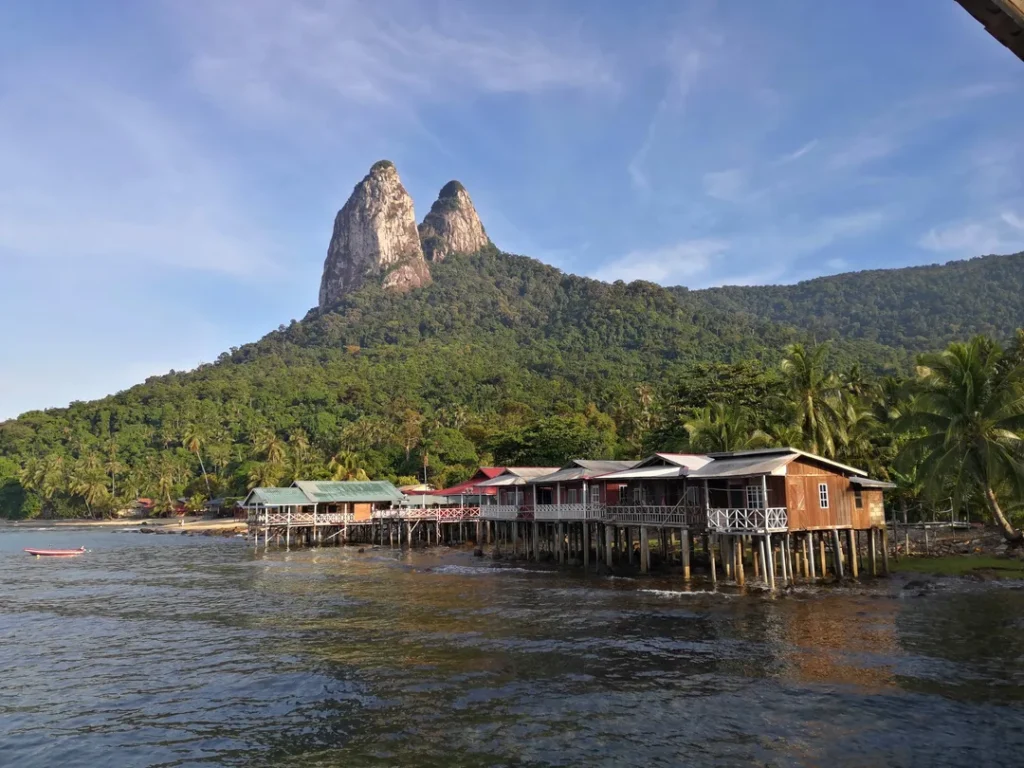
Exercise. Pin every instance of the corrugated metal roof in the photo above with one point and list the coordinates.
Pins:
(870, 482)
(583, 469)
(516, 476)
(743, 466)
(276, 497)
(797, 451)
(688, 460)
(647, 473)
(351, 491)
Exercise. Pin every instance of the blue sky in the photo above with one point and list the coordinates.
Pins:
(169, 171)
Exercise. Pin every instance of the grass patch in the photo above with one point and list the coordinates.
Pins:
(960, 565)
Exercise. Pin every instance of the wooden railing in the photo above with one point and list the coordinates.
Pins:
(732, 520)
(271, 516)
(694, 518)
(578, 511)
(500, 512)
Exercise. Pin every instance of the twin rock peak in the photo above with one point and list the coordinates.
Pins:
(376, 240)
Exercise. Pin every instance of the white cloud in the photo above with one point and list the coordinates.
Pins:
(729, 186)
(978, 237)
(668, 265)
(124, 185)
(798, 153)
(277, 58)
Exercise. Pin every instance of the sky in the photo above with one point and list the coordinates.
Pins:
(169, 171)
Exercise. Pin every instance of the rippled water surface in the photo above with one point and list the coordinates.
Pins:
(175, 651)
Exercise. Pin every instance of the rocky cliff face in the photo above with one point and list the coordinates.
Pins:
(452, 226)
(375, 239)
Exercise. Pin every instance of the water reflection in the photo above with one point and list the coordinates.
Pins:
(201, 652)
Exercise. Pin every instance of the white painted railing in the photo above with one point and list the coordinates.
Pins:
(580, 511)
(748, 520)
(278, 517)
(694, 518)
(500, 512)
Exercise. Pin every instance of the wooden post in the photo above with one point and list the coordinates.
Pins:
(685, 551)
(560, 534)
(837, 552)
(741, 576)
(873, 551)
(821, 551)
(629, 545)
(711, 556)
(809, 543)
(755, 559)
(608, 545)
(727, 561)
(851, 537)
(645, 550)
(586, 544)
(885, 551)
(765, 545)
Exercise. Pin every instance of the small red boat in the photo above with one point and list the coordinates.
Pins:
(56, 552)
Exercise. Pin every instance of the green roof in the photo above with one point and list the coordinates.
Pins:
(354, 491)
(276, 497)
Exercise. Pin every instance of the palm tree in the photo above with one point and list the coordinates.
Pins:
(969, 413)
(113, 466)
(89, 481)
(815, 394)
(270, 445)
(264, 474)
(194, 438)
(723, 427)
(344, 465)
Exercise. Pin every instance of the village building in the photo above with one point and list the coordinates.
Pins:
(783, 511)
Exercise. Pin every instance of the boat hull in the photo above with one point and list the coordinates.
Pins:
(55, 552)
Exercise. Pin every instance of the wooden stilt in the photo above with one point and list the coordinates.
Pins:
(821, 551)
(837, 552)
(809, 543)
(685, 551)
(608, 535)
(741, 576)
(711, 556)
(851, 537)
(645, 550)
(586, 545)
(873, 551)
(885, 551)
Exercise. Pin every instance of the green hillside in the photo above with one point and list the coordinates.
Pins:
(501, 359)
(914, 308)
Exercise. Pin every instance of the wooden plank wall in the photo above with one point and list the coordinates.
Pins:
(805, 512)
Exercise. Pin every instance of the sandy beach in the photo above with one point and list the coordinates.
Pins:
(165, 525)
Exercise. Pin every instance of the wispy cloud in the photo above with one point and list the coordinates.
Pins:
(1002, 233)
(125, 185)
(667, 265)
(685, 59)
(729, 186)
(277, 58)
(798, 153)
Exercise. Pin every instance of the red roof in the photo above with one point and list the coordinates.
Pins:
(469, 486)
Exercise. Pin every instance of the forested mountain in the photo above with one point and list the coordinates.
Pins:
(413, 365)
(914, 308)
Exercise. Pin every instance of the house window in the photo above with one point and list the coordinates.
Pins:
(823, 495)
(595, 494)
(638, 495)
(574, 496)
(755, 497)
(858, 498)
(692, 496)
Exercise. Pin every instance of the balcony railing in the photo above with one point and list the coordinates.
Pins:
(577, 511)
(281, 517)
(767, 520)
(500, 512)
(694, 518)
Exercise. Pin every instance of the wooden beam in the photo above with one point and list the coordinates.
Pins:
(1003, 19)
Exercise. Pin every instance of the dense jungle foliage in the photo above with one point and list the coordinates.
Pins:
(919, 309)
(501, 360)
